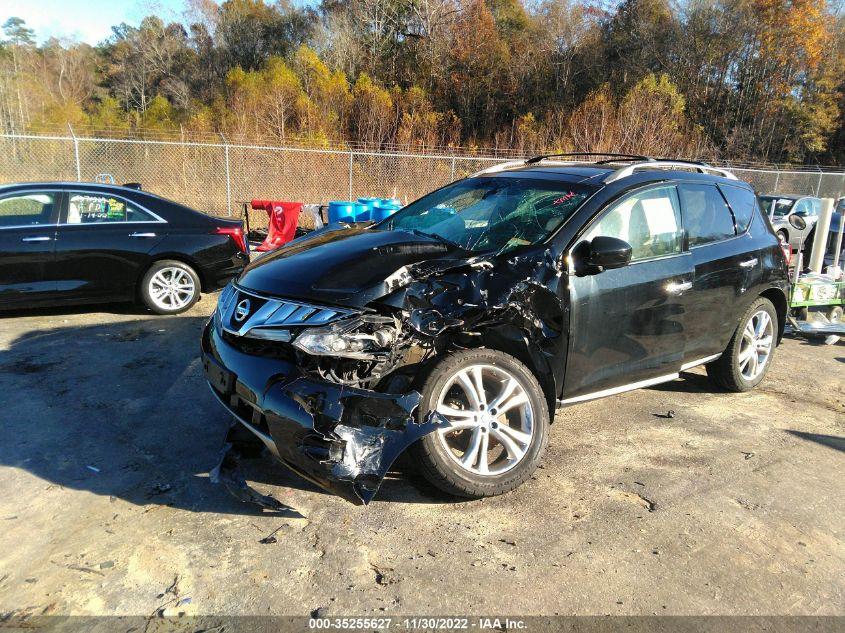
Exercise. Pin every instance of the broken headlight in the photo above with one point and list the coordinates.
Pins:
(362, 337)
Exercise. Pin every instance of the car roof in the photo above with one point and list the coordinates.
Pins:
(66, 184)
(785, 196)
(564, 173)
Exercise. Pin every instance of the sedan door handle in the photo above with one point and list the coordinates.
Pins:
(36, 238)
(677, 287)
(142, 234)
(749, 263)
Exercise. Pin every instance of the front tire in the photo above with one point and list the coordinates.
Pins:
(170, 287)
(748, 356)
(499, 424)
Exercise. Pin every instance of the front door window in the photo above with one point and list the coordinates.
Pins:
(650, 221)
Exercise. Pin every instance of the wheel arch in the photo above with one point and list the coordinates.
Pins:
(521, 351)
(778, 299)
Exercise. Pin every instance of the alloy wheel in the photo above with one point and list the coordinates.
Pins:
(491, 419)
(756, 346)
(171, 288)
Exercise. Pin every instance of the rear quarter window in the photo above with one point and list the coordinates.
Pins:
(742, 203)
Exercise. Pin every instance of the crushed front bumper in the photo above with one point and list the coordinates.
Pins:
(341, 438)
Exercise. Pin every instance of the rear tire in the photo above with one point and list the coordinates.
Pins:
(170, 287)
(748, 356)
(510, 441)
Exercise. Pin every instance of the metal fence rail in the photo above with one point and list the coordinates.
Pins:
(218, 177)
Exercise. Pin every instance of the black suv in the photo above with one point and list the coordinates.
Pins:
(455, 327)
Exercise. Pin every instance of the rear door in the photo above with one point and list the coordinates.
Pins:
(726, 266)
(628, 325)
(103, 243)
(27, 242)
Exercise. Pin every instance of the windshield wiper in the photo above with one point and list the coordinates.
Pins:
(437, 237)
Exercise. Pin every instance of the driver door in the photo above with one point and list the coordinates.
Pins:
(628, 325)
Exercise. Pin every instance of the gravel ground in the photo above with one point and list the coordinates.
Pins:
(731, 506)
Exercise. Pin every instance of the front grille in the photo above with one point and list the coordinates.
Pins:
(239, 312)
(258, 347)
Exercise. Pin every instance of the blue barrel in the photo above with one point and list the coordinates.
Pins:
(363, 212)
(384, 209)
(340, 211)
(370, 202)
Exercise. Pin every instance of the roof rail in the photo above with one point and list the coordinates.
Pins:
(642, 162)
(499, 167)
(614, 157)
(703, 168)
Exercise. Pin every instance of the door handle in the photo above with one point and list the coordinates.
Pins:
(142, 234)
(677, 287)
(749, 263)
(36, 238)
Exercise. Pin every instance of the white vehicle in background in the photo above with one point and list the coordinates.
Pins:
(779, 209)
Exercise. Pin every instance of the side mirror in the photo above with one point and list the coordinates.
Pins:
(608, 252)
(797, 222)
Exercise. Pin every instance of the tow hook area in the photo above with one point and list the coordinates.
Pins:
(228, 472)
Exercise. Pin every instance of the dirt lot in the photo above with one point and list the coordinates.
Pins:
(732, 506)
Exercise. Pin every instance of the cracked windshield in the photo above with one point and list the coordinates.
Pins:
(492, 214)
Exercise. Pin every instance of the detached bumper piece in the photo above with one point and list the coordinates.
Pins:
(341, 438)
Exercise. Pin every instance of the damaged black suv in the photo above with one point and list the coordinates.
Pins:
(457, 326)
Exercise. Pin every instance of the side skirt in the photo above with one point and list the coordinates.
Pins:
(636, 385)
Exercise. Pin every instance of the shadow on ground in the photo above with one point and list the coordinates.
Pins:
(122, 410)
(831, 441)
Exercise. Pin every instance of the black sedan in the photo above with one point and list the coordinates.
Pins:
(63, 243)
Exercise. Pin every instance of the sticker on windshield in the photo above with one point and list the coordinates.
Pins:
(565, 197)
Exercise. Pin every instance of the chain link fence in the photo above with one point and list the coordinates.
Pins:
(219, 178)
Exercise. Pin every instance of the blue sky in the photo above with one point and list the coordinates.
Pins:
(86, 20)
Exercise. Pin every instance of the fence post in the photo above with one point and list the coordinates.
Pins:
(777, 179)
(452, 174)
(228, 176)
(350, 175)
(75, 153)
(819, 184)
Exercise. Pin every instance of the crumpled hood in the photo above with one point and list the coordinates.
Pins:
(346, 267)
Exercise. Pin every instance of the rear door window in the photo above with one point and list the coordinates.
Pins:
(85, 208)
(742, 202)
(707, 217)
(27, 209)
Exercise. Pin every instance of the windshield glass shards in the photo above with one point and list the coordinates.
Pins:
(492, 214)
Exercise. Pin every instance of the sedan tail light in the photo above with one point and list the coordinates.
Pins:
(236, 233)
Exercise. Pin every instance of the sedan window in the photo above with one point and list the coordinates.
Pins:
(97, 209)
(707, 217)
(29, 209)
(648, 220)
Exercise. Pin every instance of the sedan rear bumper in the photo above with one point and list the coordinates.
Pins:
(217, 275)
(341, 438)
